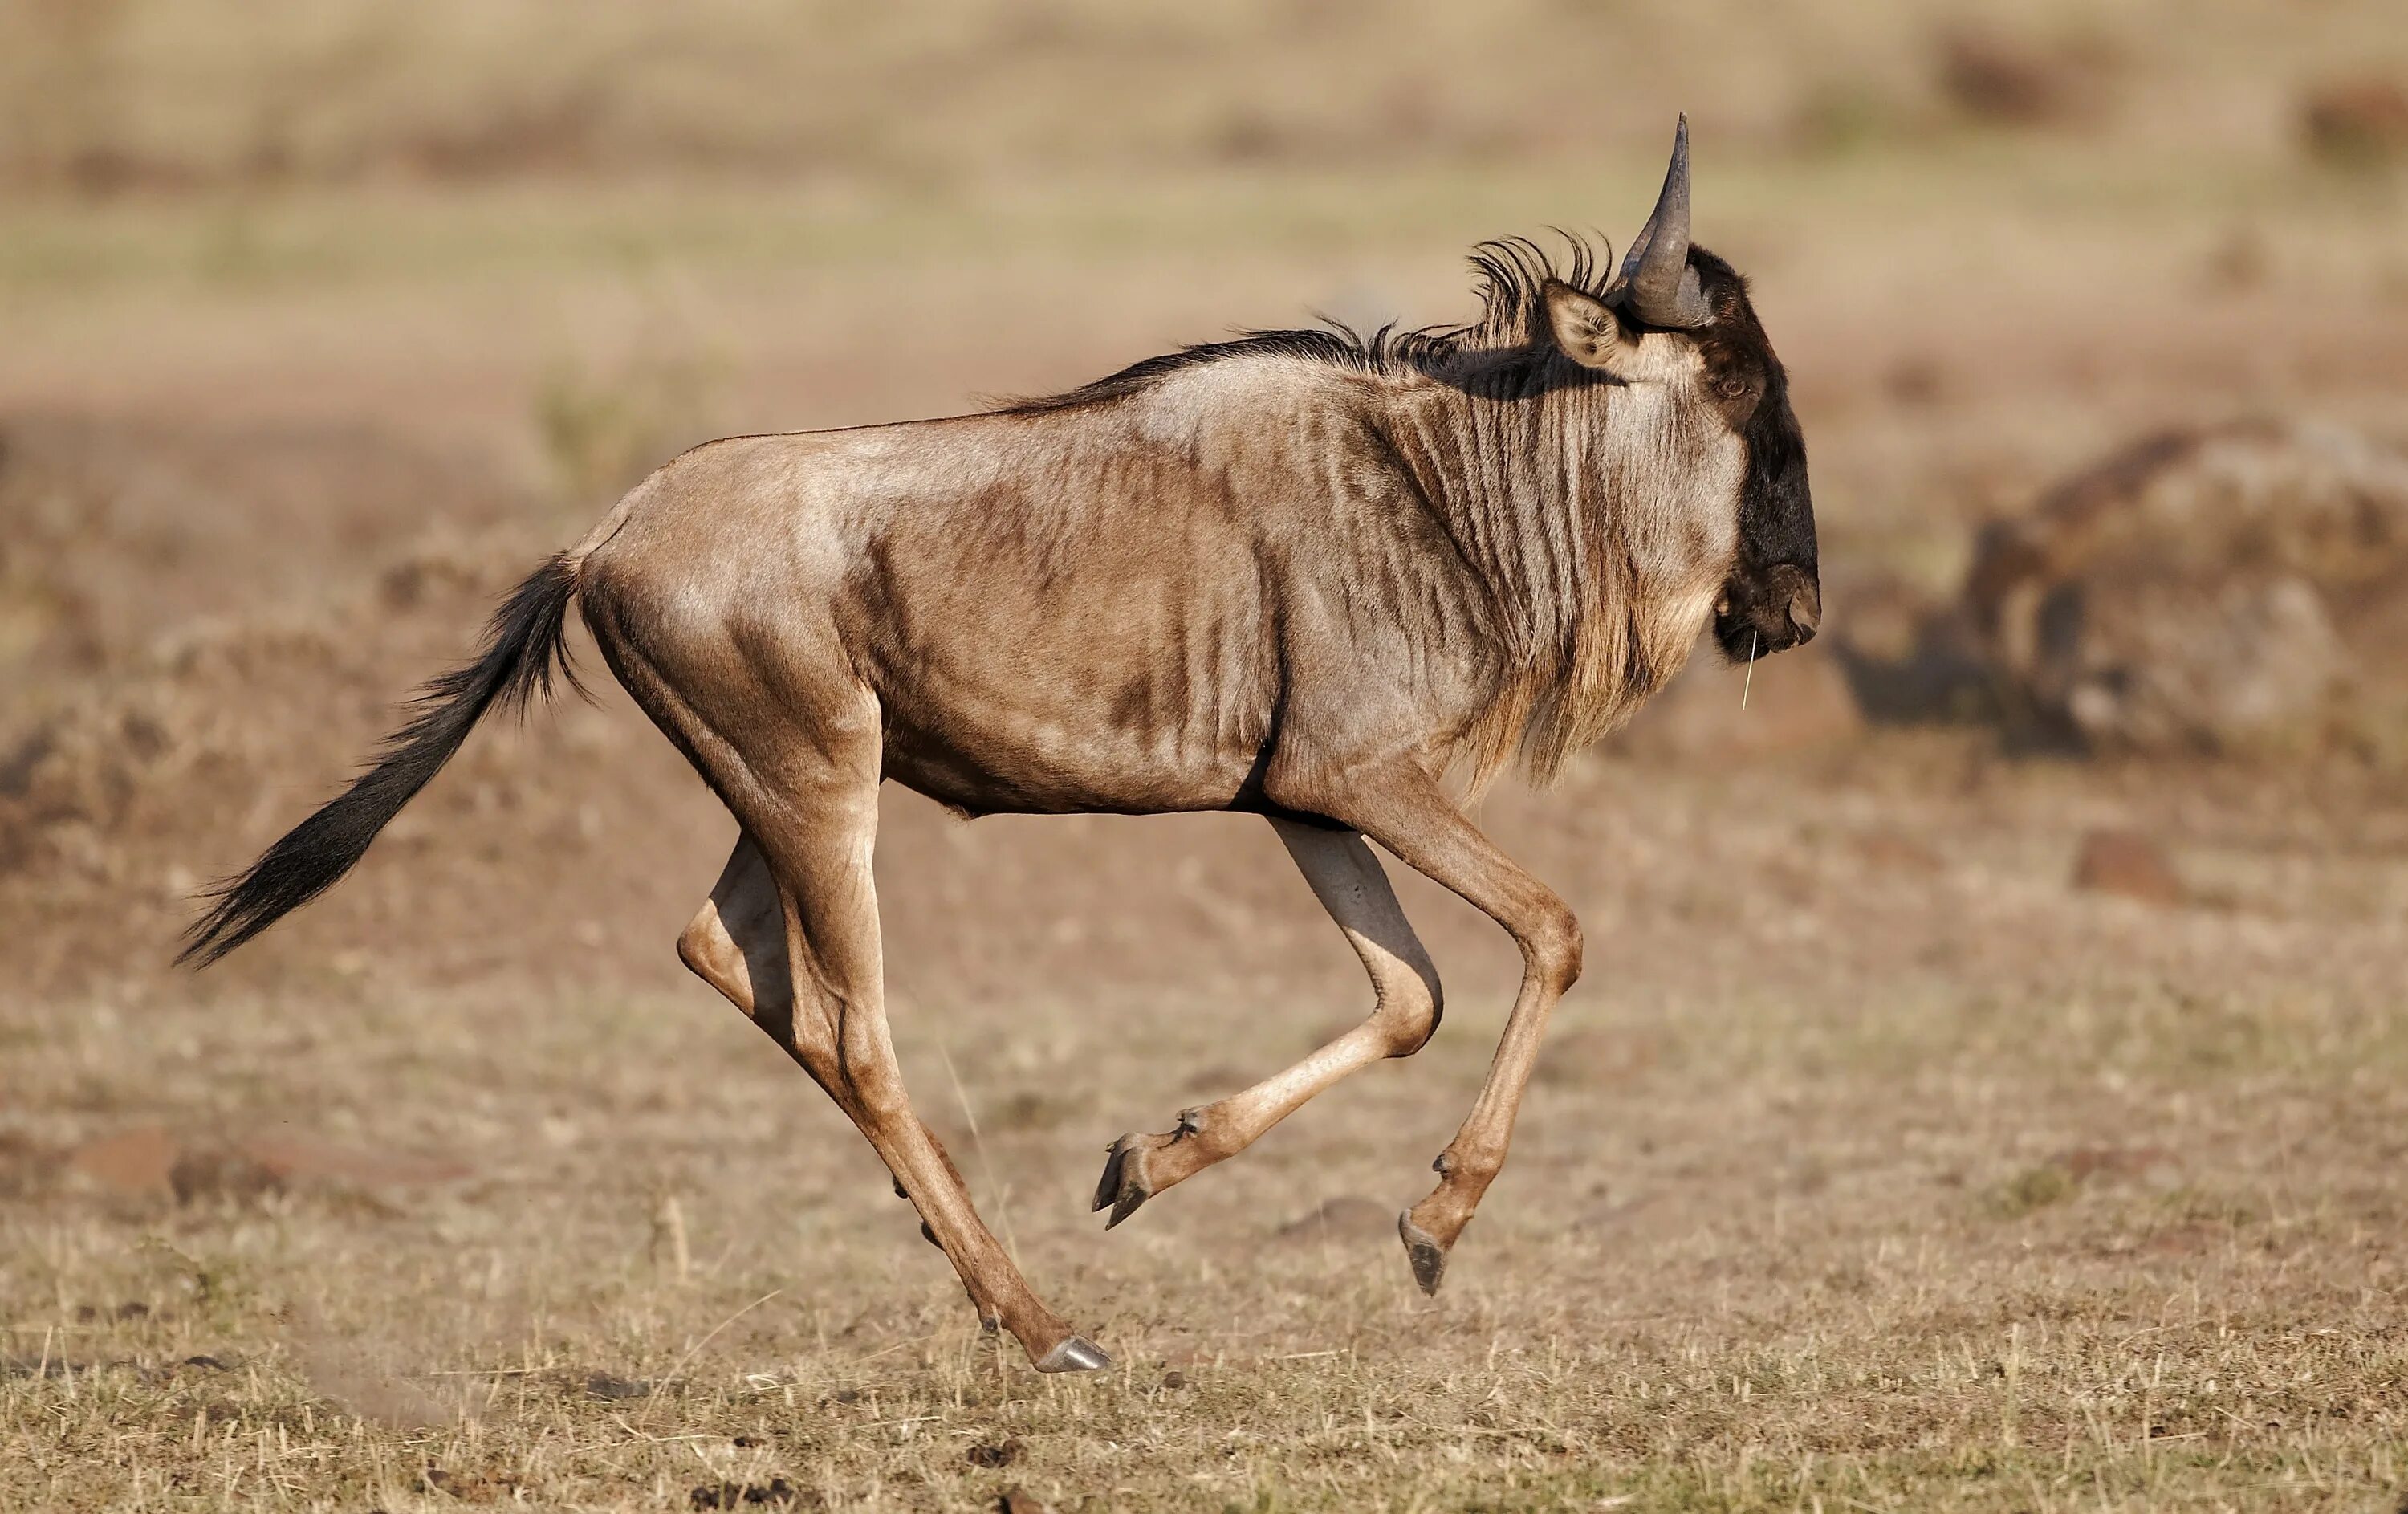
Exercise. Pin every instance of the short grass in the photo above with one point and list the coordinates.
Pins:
(1903, 1184)
(2054, 1248)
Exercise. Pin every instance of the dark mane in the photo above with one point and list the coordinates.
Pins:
(1510, 272)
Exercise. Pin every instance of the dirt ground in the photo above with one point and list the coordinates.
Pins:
(1890, 1156)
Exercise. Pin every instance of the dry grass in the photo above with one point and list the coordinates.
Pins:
(1871, 1168)
(2122, 1230)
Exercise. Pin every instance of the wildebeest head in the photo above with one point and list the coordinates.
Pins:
(1771, 599)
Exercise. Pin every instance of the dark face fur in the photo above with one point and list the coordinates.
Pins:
(1774, 599)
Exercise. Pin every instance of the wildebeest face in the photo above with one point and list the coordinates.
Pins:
(1669, 290)
(1773, 597)
(1722, 372)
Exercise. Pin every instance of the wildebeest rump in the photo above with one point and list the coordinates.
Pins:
(1305, 574)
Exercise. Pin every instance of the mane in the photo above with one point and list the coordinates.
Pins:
(1581, 652)
(1510, 273)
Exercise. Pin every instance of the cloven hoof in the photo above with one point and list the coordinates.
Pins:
(1075, 1353)
(1122, 1187)
(1421, 1249)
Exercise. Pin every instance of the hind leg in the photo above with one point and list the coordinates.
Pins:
(737, 942)
(795, 942)
(792, 741)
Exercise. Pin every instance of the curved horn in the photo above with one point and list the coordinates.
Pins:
(1656, 284)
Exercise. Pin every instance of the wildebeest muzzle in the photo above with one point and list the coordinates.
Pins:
(1770, 611)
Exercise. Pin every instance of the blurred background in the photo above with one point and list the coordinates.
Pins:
(2074, 855)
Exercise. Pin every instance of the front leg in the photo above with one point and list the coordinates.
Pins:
(1348, 881)
(1403, 808)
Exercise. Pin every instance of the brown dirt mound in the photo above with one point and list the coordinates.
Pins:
(113, 531)
(133, 791)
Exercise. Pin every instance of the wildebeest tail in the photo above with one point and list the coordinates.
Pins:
(524, 645)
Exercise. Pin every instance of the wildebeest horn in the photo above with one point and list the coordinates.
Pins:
(1656, 284)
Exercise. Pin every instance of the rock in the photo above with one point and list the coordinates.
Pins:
(2126, 863)
(2234, 589)
(2160, 664)
(2356, 123)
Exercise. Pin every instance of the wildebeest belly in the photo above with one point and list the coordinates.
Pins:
(1124, 687)
(1011, 738)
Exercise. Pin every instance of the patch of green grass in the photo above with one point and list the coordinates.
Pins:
(2034, 1188)
(341, 236)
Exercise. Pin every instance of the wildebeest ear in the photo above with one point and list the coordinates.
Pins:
(1584, 330)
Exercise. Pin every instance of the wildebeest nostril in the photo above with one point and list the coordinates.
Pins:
(1806, 608)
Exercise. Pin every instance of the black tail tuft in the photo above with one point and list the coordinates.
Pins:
(524, 642)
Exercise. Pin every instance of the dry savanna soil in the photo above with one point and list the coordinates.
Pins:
(1946, 1121)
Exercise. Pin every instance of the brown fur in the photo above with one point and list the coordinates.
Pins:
(1298, 574)
(1275, 576)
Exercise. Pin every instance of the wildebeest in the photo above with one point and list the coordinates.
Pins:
(1300, 573)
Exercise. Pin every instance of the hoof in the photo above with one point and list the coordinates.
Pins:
(1076, 1353)
(1427, 1257)
(1123, 1188)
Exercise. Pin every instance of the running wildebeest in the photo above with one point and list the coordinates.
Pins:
(1301, 574)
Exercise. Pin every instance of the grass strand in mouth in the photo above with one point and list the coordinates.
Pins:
(1750, 681)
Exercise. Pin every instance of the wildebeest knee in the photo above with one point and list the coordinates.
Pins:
(1410, 1006)
(1553, 948)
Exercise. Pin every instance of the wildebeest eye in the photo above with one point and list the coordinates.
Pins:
(1733, 388)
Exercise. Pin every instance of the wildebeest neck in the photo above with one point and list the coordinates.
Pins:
(1595, 519)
